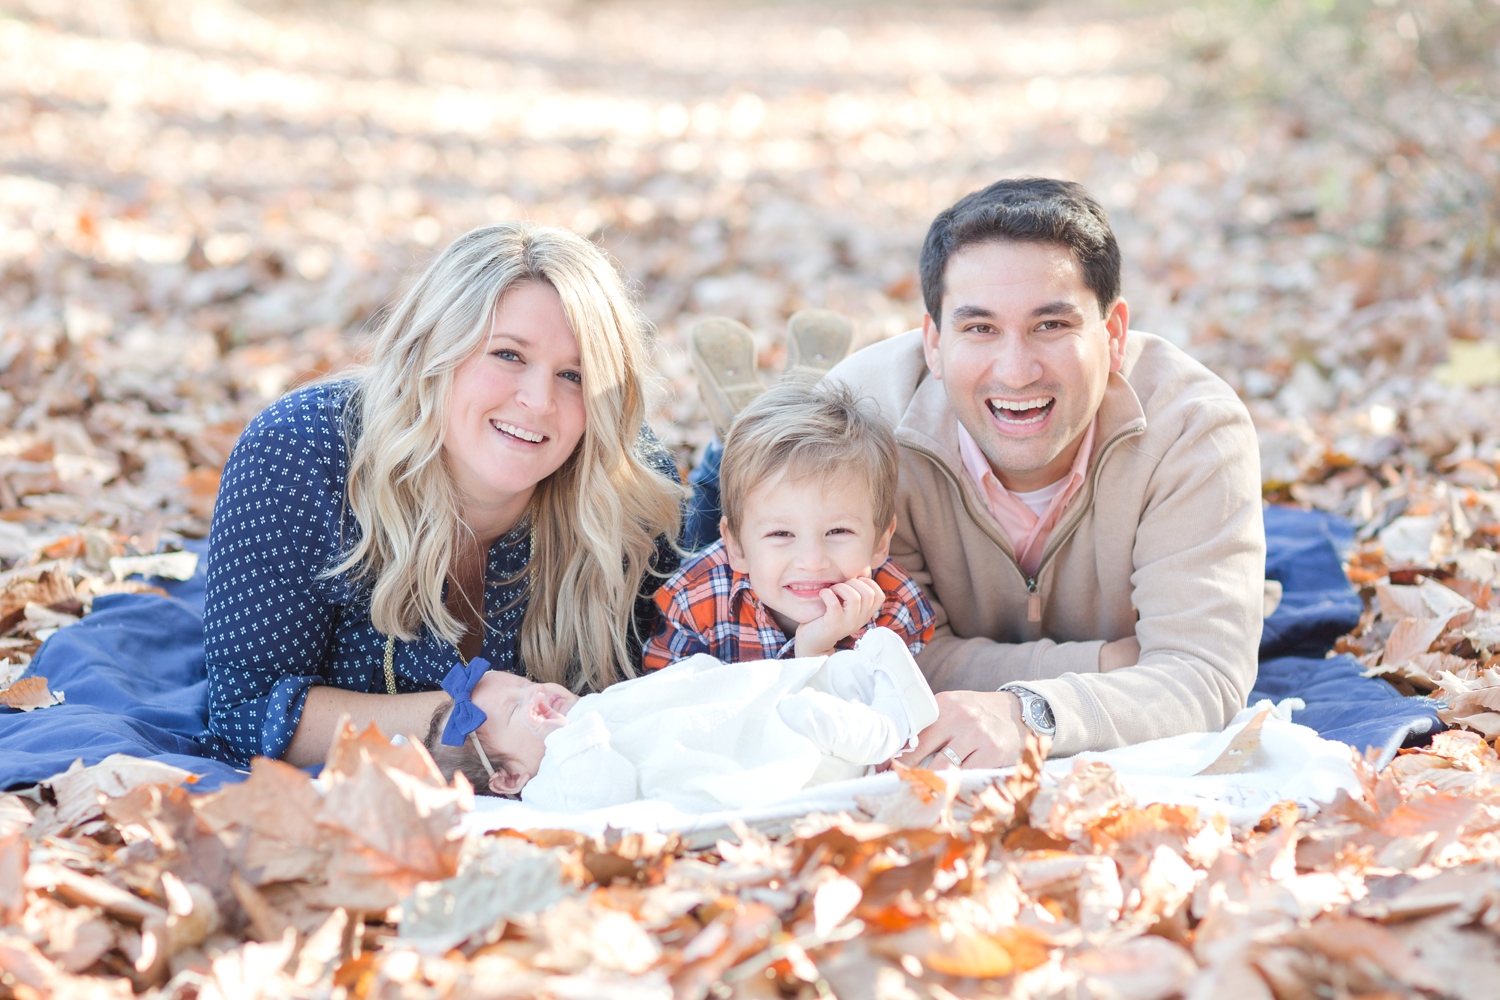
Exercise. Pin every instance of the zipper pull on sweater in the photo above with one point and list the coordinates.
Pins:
(1033, 601)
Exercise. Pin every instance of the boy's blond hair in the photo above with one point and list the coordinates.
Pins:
(801, 429)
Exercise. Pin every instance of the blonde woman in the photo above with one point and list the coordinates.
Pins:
(485, 486)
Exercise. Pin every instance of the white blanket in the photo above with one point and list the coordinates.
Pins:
(708, 736)
(1293, 763)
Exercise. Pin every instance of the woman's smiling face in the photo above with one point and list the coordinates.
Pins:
(517, 407)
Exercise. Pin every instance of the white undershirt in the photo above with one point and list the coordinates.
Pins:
(1039, 500)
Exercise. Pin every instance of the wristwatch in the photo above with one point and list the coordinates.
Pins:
(1035, 711)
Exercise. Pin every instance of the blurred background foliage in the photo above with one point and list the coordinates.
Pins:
(204, 203)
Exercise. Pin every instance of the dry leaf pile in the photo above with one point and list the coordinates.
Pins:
(204, 203)
(117, 879)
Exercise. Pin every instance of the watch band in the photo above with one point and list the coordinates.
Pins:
(1036, 711)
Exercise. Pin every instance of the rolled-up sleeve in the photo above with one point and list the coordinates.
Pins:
(1198, 586)
(267, 626)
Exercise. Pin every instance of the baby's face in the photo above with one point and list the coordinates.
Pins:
(801, 536)
(521, 713)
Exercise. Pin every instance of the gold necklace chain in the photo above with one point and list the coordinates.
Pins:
(390, 642)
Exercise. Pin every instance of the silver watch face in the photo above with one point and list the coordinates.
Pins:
(1039, 714)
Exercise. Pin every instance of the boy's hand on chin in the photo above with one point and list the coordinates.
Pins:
(850, 606)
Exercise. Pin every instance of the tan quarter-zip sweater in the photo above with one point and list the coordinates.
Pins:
(1165, 540)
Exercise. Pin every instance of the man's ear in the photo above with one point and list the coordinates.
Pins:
(737, 560)
(507, 783)
(1116, 324)
(883, 549)
(930, 346)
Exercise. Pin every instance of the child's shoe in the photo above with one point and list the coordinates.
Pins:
(723, 354)
(817, 339)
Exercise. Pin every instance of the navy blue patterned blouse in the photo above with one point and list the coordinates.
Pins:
(274, 626)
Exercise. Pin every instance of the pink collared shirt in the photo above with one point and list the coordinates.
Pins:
(1028, 531)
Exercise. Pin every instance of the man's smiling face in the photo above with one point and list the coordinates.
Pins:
(1024, 355)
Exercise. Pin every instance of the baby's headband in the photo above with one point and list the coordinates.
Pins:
(466, 718)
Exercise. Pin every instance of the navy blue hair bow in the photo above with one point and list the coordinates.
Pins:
(466, 716)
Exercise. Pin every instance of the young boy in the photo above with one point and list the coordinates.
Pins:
(808, 486)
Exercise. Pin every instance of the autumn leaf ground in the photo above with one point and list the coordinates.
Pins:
(204, 204)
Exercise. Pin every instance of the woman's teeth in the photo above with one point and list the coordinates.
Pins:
(1028, 411)
(518, 432)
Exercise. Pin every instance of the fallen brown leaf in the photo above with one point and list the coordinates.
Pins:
(15, 851)
(1243, 752)
(29, 694)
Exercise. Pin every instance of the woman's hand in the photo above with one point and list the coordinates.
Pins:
(850, 606)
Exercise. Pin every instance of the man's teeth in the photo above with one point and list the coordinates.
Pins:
(519, 432)
(1026, 411)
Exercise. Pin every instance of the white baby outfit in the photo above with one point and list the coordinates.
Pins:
(705, 735)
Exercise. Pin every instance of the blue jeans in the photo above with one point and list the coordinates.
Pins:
(701, 528)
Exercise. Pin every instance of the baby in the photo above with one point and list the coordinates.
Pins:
(700, 734)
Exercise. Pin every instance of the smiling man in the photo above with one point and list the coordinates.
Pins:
(1079, 501)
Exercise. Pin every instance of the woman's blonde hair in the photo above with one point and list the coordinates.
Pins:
(594, 521)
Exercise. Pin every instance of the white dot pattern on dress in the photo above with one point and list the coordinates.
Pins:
(274, 626)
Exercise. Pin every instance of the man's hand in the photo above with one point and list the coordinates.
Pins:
(850, 605)
(982, 728)
(1124, 652)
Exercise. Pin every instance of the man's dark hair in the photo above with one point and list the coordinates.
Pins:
(1025, 210)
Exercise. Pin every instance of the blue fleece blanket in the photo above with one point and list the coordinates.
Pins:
(1317, 606)
(132, 675)
(133, 670)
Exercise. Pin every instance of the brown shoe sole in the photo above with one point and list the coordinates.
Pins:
(817, 339)
(723, 355)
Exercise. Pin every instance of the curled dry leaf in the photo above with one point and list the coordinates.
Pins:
(75, 794)
(1244, 752)
(1084, 795)
(1146, 968)
(968, 952)
(1164, 887)
(33, 973)
(172, 565)
(29, 694)
(270, 818)
(924, 799)
(72, 937)
(15, 853)
(510, 879)
(582, 937)
(834, 900)
(1474, 704)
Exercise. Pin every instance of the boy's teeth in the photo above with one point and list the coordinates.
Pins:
(515, 431)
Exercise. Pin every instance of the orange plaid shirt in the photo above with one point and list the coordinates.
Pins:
(706, 607)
